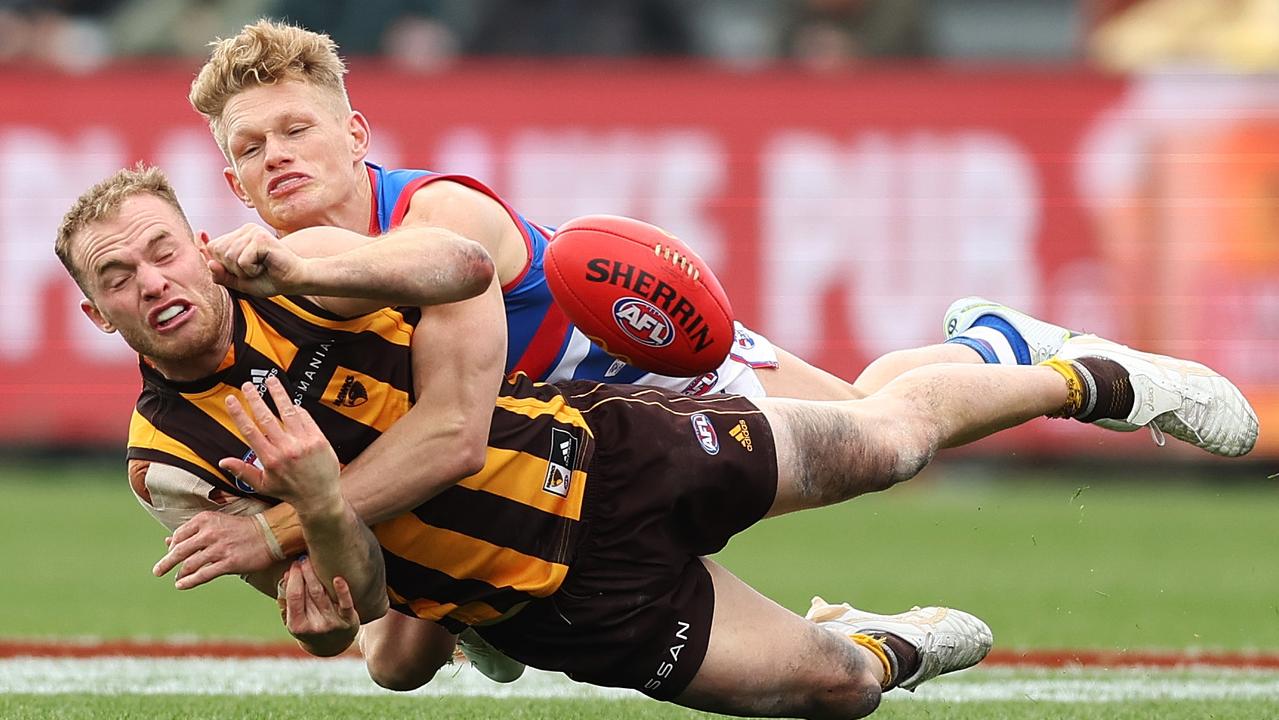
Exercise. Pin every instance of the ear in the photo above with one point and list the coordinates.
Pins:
(361, 135)
(233, 181)
(91, 311)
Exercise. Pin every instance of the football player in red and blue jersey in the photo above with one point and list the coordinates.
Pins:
(276, 103)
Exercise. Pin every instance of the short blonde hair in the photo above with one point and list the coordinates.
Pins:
(265, 53)
(103, 201)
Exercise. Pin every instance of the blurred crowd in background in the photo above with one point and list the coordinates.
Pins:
(1120, 35)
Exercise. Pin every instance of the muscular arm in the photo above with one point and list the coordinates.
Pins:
(411, 265)
(352, 274)
(459, 353)
(459, 356)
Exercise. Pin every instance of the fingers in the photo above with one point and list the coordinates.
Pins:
(243, 471)
(294, 596)
(317, 594)
(290, 414)
(261, 431)
(245, 424)
(243, 251)
(198, 564)
(180, 545)
(168, 562)
(251, 259)
(346, 604)
(204, 574)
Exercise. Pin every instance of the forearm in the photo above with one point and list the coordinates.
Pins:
(459, 351)
(340, 544)
(414, 460)
(412, 265)
(444, 436)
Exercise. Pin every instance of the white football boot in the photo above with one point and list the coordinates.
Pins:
(1184, 399)
(490, 661)
(1043, 338)
(947, 640)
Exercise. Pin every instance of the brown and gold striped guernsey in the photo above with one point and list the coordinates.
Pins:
(470, 554)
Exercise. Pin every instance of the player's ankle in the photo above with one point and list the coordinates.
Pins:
(1097, 389)
(1112, 392)
(899, 658)
(904, 653)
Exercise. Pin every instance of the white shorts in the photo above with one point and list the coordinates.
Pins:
(751, 351)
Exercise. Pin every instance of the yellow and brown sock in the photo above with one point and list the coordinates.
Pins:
(899, 658)
(1096, 389)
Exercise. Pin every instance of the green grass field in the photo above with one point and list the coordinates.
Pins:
(1087, 560)
(55, 707)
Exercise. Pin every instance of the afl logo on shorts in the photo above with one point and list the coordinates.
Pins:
(701, 385)
(643, 322)
(705, 433)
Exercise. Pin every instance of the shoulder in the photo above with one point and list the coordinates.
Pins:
(173, 495)
(451, 197)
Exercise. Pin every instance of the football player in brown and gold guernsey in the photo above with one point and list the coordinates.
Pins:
(276, 102)
(577, 542)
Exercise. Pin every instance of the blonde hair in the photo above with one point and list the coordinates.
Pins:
(265, 53)
(103, 201)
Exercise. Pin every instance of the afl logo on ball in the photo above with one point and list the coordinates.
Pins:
(705, 433)
(643, 322)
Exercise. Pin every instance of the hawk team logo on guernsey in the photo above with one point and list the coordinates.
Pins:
(352, 393)
(644, 322)
(559, 465)
(705, 433)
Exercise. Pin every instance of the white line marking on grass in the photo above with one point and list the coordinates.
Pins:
(213, 676)
(218, 676)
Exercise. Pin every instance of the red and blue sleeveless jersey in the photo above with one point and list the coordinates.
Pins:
(541, 342)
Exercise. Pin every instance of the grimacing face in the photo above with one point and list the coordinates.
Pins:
(296, 156)
(147, 280)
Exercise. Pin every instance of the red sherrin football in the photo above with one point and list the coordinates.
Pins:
(641, 294)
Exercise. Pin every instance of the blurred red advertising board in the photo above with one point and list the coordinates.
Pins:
(842, 211)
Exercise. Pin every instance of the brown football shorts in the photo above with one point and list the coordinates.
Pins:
(671, 479)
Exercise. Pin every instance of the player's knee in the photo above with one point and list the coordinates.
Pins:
(400, 677)
(845, 687)
(907, 440)
(854, 695)
(402, 671)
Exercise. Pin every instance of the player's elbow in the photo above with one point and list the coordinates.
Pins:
(479, 268)
(470, 447)
(472, 269)
(471, 458)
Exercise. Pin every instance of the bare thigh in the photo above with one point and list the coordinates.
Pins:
(831, 452)
(795, 378)
(887, 367)
(765, 660)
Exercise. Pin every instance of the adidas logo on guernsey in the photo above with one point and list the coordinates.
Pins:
(742, 434)
(259, 378)
(352, 393)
